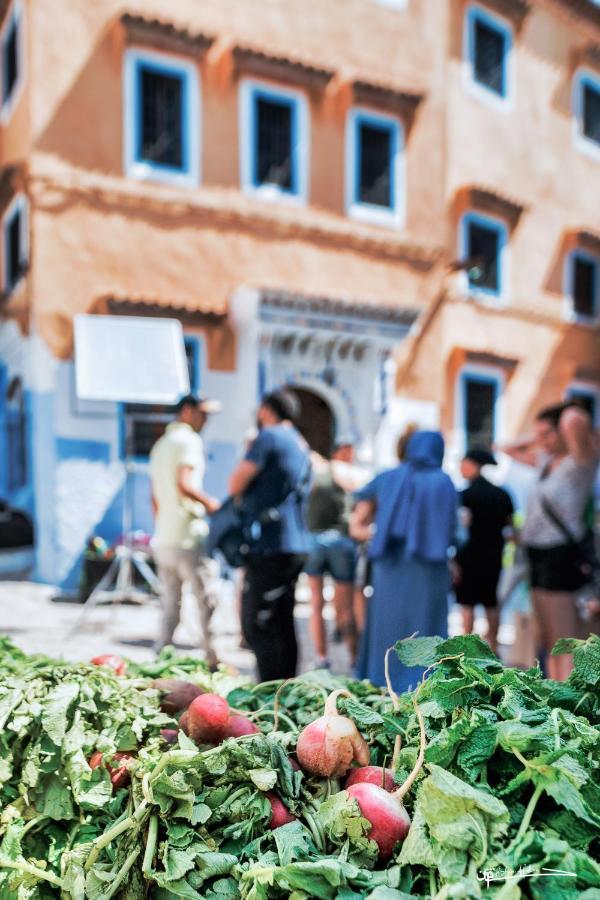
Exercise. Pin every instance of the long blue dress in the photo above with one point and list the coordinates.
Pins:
(414, 526)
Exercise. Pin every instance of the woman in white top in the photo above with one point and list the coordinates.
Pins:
(565, 449)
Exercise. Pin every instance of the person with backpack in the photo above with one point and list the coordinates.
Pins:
(333, 551)
(271, 486)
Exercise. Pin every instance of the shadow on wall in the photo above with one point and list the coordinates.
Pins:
(97, 86)
(578, 342)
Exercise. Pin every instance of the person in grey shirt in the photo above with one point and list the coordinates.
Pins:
(565, 449)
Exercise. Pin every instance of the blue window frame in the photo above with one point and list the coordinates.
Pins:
(14, 243)
(480, 393)
(586, 112)
(274, 142)
(582, 286)
(374, 167)
(146, 422)
(488, 54)
(12, 62)
(588, 397)
(161, 118)
(484, 243)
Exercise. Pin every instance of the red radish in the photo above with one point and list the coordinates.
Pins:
(280, 814)
(169, 735)
(383, 778)
(239, 725)
(95, 760)
(330, 744)
(389, 820)
(294, 764)
(119, 775)
(385, 811)
(208, 716)
(112, 661)
(176, 694)
(184, 723)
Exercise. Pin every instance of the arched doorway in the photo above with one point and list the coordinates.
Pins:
(316, 422)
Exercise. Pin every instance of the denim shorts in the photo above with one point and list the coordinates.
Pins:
(332, 553)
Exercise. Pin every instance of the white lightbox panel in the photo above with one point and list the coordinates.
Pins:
(130, 359)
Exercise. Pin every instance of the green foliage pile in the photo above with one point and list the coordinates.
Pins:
(507, 804)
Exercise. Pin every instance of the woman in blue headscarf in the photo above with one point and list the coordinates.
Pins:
(409, 515)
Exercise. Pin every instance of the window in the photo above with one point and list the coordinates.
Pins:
(15, 240)
(274, 146)
(488, 45)
(583, 285)
(16, 436)
(144, 423)
(479, 398)
(588, 397)
(11, 52)
(161, 125)
(586, 112)
(484, 242)
(374, 162)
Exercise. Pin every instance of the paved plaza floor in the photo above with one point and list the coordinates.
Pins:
(38, 625)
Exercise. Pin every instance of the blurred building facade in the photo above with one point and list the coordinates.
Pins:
(393, 211)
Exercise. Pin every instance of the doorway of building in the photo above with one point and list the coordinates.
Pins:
(317, 422)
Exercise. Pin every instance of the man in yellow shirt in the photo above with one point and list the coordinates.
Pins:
(180, 505)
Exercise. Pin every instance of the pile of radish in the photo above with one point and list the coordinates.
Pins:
(330, 747)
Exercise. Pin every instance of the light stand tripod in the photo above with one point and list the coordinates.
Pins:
(118, 583)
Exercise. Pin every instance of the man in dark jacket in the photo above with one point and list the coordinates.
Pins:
(488, 511)
(272, 483)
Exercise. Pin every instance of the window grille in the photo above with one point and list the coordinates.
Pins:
(591, 113)
(375, 185)
(16, 432)
(585, 274)
(10, 61)
(489, 57)
(273, 159)
(483, 249)
(160, 132)
(480, 398)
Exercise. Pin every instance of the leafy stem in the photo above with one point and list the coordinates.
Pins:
(528, 814)
(150, 844)
(28, 869)
(120, 876)
(315, 831)
(105, 839)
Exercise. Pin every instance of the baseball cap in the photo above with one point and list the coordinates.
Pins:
(481, 456)
(206, 404)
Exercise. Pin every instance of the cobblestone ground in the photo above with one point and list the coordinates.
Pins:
(38, 625)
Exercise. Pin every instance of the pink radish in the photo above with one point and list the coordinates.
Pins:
(169, 735)
(280, 814)
(389, 820)
(385, 811)
(383, 778)
(329, 745)
(239, 725)
(208, 716)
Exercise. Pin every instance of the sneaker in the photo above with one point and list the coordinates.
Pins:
(322, 663)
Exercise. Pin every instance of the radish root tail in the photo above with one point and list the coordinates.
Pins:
(402, 791)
